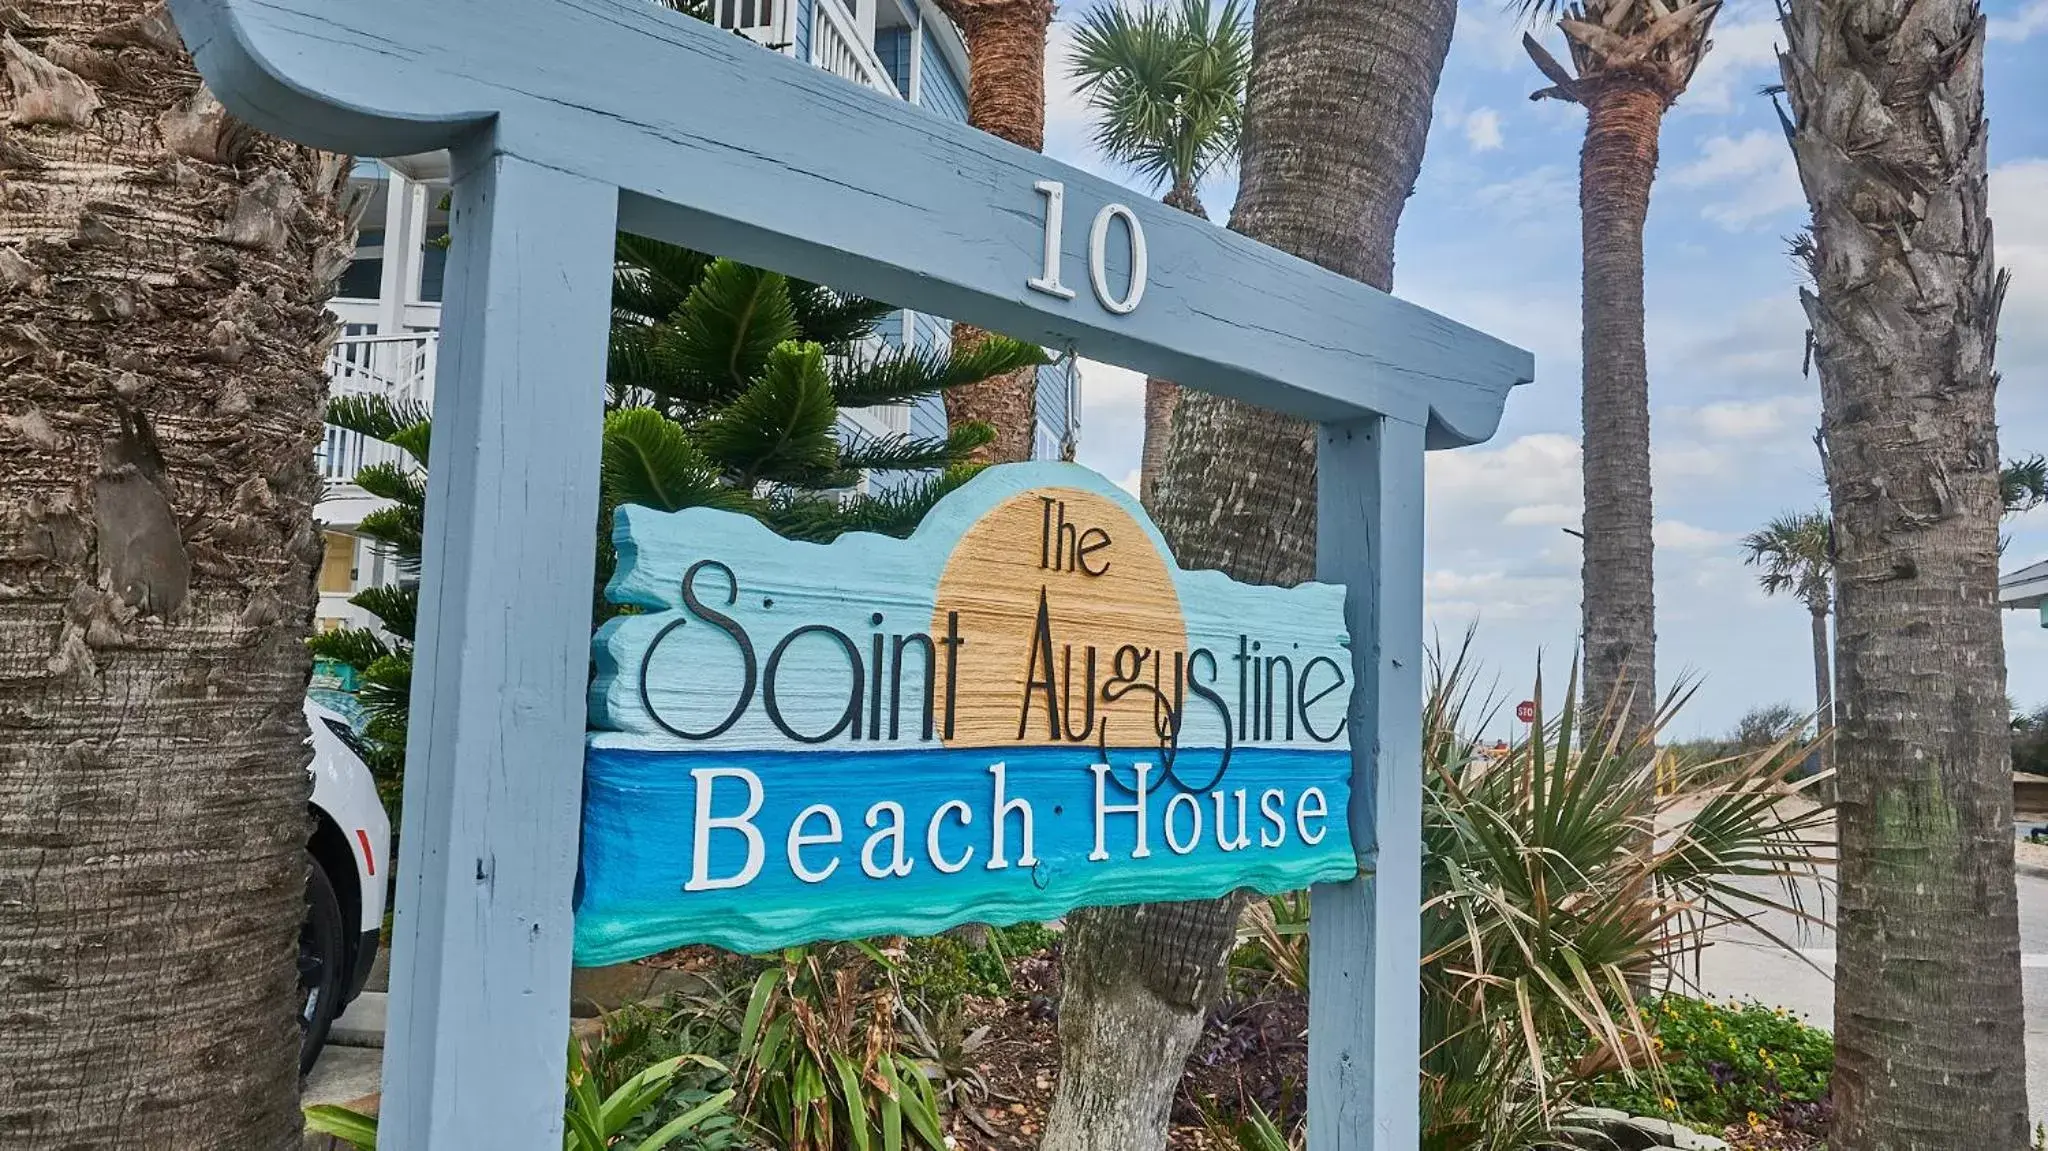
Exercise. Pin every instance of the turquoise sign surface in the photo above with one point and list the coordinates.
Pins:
(1024, 708)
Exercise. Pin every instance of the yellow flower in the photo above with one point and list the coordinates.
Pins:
(1670, 1104)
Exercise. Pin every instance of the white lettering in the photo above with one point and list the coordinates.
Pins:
(931, 837)
(897, 865)
(700, 871)
(998, 856)
(1275, 832)
(1194, 807)
(1311, 805)
(1048, 281)
(1098, 260)
(1103, 808)
(1223, 840)
(800, 839)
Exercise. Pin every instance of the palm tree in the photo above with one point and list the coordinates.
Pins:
(1887, 127)
(1167, 88)
(1005, 98)
(1794, 553)
(164, 272)
(1336, 115)
(1630, 60)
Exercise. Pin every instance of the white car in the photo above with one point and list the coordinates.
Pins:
(349, 866)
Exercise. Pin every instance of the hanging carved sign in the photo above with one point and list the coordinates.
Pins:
(1024, 708)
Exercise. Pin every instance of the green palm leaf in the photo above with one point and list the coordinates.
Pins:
(377, 417)
(651, 279)
(398, 529)
(1166, 84)
(780, 428)
(733, 321)
(354, 646)
(897, 375)
(831, 318)
(913, 453)
(396, 606)
(649, 459)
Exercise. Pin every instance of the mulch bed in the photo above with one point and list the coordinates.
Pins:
(1250, 1050)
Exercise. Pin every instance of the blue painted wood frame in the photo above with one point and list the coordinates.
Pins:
(570, 116)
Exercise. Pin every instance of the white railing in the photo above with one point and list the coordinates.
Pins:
(398, 368)
(838, 47)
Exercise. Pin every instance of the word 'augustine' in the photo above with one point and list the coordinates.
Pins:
(954, 837)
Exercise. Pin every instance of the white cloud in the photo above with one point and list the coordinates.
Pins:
(1744, 57)
(1755, 419)
(2030, 20)
(1680, 536)
(1482, 130)
(1531, 471)
(1760, 164)
(2019, 214)
(1112, 419)
(1544, 516)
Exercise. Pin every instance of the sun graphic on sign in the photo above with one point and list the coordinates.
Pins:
(1065, 603)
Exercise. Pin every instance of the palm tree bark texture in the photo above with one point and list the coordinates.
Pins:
(162, 270)
(1888, 130)
(1005, 98)
(1337, 114)
(1630, 60)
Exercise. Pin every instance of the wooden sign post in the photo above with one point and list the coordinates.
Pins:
(568, 119)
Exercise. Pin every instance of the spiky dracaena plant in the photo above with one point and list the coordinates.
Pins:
(726, 384)
(1542, 900)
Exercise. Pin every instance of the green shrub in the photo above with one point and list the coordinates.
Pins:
(1723, 1063)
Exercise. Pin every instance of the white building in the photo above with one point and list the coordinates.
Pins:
(389, 299)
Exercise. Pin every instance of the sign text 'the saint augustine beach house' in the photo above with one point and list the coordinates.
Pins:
(1024, 708)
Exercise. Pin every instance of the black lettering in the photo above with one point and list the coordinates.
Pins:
(953, 643)
(849, 718)
(1040, 659)
(1092, 540)
(1309, 701)
(1285, 696)
(722, 622)
(1087, 695)
(931, 664)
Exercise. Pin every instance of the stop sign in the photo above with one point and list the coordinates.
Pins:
(1526, 711)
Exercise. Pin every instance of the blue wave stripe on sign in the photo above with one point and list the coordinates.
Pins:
(640, 840)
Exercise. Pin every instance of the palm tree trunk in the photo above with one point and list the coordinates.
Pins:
(162, 271)
(1823, 680)
(1163, 396)
(1005, 98)
(1336, 118)
(1890, 139)
(1616, 167)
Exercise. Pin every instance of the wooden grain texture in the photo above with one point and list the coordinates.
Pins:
(1019, 639)
(756, 156)
(480, 954)
(1366, 938)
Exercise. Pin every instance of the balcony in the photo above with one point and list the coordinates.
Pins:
(396, 368)
(838, 47)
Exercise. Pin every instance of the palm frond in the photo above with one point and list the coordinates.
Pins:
(356, 647)
(832, 318)
(780, 428)
(1794, 553)
(392, 482)
(2023, 484)
(897, 512)
(860, 452)
(377, 417)
(649, 459)
(905, 375)
(1166, 85)
(396, 606)
(651, 280)
(397, 531)
(735, 318)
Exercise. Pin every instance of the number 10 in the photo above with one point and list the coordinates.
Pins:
(1048, 281)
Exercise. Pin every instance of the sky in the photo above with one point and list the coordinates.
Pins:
(1491, 239)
